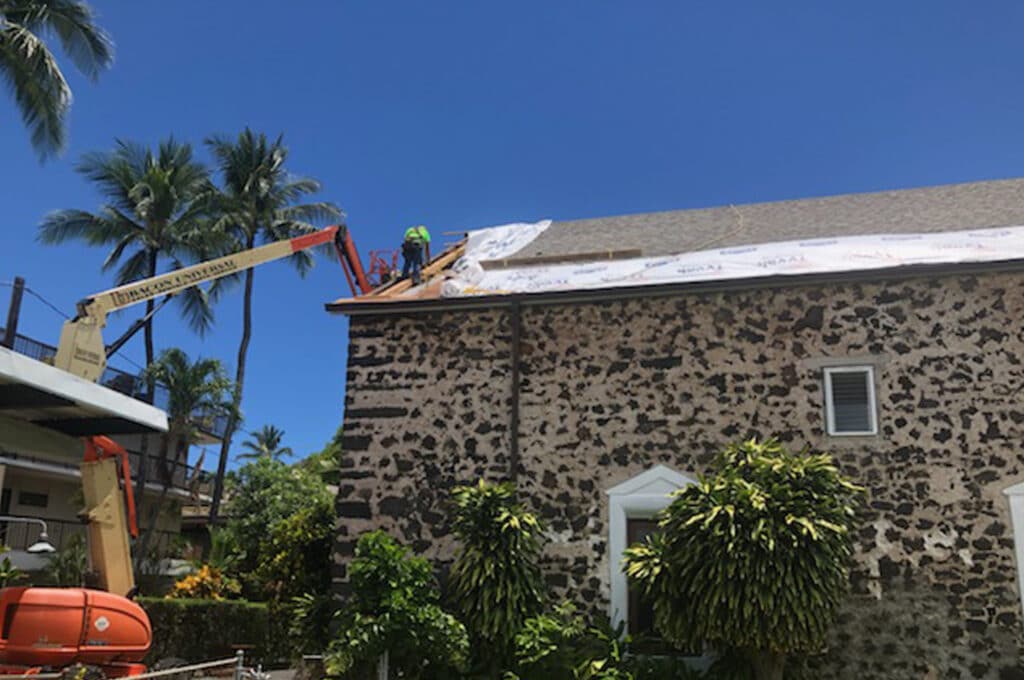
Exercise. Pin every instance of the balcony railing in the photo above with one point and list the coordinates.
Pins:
(177, 475)
(20, 535)
(123, 382)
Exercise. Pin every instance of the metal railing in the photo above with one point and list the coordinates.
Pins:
(237, 665)
(123, 382)
(19, 536)
(173, 473)
(177, 475)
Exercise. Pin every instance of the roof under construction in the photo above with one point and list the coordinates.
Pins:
(940, 225)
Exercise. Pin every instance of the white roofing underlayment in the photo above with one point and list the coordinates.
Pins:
(812, 256)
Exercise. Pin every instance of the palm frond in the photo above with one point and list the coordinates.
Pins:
(116, 174)
(311, 212)
(303, 262)
(115, 255)
(67, 225)
(265, 443)
(195, 389)
(196, 308)
(86, 44)
(295, 189)
(40, 90)
(134, 268)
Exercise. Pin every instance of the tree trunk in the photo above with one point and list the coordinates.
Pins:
(140, 485)
(229, 431)
(150, 305)
(768, 665)
(140, 494)
(145, 534)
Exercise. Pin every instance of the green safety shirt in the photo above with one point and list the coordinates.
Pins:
(418, 233)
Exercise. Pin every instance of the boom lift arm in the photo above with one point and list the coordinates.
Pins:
(81, 350)
(105, 513)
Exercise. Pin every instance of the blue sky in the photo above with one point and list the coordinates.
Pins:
(470, 114)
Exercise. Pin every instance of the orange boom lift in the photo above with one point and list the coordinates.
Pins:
(56, 628)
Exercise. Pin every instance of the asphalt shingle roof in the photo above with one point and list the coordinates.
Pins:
(931, 209)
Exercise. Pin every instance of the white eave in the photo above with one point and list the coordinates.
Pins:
(48, 397)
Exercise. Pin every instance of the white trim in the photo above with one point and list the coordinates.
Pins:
(95, 399)
(640, 497)
(830, 416)
(1015, 495)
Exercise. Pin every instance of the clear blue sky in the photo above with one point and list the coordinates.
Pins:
(463, 115)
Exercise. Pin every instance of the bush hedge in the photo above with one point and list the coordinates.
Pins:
(205, 630)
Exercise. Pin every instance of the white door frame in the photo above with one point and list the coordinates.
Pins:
(640, 497)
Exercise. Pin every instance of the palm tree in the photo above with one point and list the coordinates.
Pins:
(265, 443)
(155, 204)
(40, 90)
(197, 392)
(258, 202)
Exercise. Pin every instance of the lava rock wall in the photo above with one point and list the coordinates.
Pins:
(608, 390)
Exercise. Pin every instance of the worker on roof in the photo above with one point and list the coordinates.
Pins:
(415, 244)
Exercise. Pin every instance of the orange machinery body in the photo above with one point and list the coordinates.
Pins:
(59, 627)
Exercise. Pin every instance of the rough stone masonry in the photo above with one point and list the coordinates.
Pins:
(611, 389)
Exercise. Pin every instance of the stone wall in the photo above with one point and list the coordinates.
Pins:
(609, 390)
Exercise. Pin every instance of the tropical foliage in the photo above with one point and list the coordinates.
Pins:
(9, 573)
(265, 442)
(69, 566)
(279, 527)
(309, 621)
(296, 556)
(195, 390)
(326, 462)
(259, 201)
(30, 68)
(151, 219)
(394, 608)
(562, 646)
(495, 582)
(754, 557)
(208, 583)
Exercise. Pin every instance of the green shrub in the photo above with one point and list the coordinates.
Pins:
(667, 668)
(9, 573)
(309, 621)
(281, 520)
(755, 557)
(296, 554)
(68, 566)
(394, 608)
(496, 583)
(277, 542)
(562, 645)
(204, 630)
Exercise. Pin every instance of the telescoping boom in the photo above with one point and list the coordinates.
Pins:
(81, 350)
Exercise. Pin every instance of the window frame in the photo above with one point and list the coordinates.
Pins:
(830, 414)
(640, 497)
(32, 497)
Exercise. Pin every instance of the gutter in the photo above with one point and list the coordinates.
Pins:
(369, 307)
